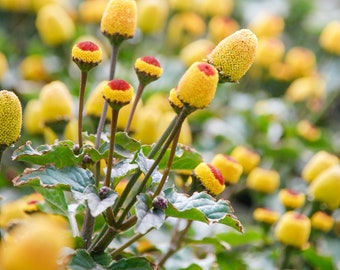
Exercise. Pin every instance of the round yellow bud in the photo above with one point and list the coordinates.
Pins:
(148, 69)
(234, 55)
(291, 199)
(174, 101)
(210, 177)
(196, 51)
(91, 11)
(263, 180)
(86, 55)
(325, 187)
(212, 8)
(34, 68)
(320, 162)
(301, 60)
(322, 221)
(33, 123)
(265, 215)
(329, 38)
(293, 229)
(229, 168)
(117, 93)
(269, 51)
(10, 118)
(248, 158)
(198, 85)
(220, 27)
(267, 25)
(308, 131)
(147, 126)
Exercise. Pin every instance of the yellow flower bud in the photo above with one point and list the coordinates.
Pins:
(119, 20)
(308, 131)
(91, 11)
(198, 85)
(152, 15)
(269, 51)
(33, 123)
(246, 157)
(301, 60)
(124, 116)
(117, 93)
(210, 177)
(148, 69)
(265, 215)
(325, 187)
(33, 68)
(3, 65)
(234, 55)
(321, 161)
(305, 88)
(54, 24)
(291, 199)
(267, 25)
(229, 168)
(220, 27)
(56, 102)
(196, 51)
(263, 180)
(10, 118)
(329, 38)
(119, 188)
(212, 8)
(281, 71)
(174, 101)
(179, 5)
(293, 229)
(322, 221)
(95, 102)
(147, 126)
(86, 55)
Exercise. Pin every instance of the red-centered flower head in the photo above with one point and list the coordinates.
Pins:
(118, 93)
(86, 55)
(263, 180)
(119, 20)
(175, 103)
(265, 215)
(197, 87)
(322, 221)
(229, 168)
(234, 55)
(291, 199)
(210, 177)
(148, 69)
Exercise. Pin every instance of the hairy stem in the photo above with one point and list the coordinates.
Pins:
(83, 79)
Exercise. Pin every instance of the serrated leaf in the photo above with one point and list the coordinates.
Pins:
(96, 204)
(147, 217)
(55, 201)
(145, 164)
(131, 264)
(83, 261)
(201, 207)
(72, 178)
(122, 169)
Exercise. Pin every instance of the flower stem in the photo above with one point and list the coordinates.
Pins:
(83, 79)
(114, 119)
(288, 250)
(134, 106)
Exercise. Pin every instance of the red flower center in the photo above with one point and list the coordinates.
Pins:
(88, 46)
(207, 69)
(229, 158)
(119, 85)
(151, 60)
(292, 192)
(217, 174)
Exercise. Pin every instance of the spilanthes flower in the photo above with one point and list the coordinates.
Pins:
(308, 131)
(34, 68)
(210, 177)
(322, 221)
(325, 187)
(196, 51)
(269, 51)
(212, 8)
(3, 65)
(92, 11)
(267, 25)
(119, 20)
(10, 118)
(301, 60)
(220, 27)
(147, 126)
(329, 37)
(86, 55)
(174, 101)
(265, 215)
(321, 161)
(234, 55)
(248, 158)
(117, 93)
(148, 69)
(263, 180)
(291, 199)
(197, 86)
(293, 229)
(33, 123)
(229, 167)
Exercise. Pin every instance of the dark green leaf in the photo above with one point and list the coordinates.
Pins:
(82, 261)
(147, 217)
(122, 169)
(96, 204)
(131, 264)
(55, 201)
(201, 207)
(192, 267)
(68, 178)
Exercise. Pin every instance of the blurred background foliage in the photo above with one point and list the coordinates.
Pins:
(286, 108)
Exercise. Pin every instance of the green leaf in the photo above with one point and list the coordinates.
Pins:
(185, 158)
(96, 204)
(69, 178)
(318, 261)
(131, 264)
(145, 164)
(201, 207)
(55, 201)
(250, 236)
(147, 217)
(213, 241)
(82, 261)
(122, 169)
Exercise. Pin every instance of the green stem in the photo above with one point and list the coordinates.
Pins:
(134, 106)
(114, 119)
(168, 165)
(288, 250)
(100, 245)
(83, 79)
(86, 230)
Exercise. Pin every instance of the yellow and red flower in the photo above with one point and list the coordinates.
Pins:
(210, 177)
(86, 55)
(322, 221)
(248, 158)
(148, 69)
(263, 180)
(230, 169)
(291, 199)
(265, 215)
(117, 93)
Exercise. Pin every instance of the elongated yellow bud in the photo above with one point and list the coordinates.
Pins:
(210, 177)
